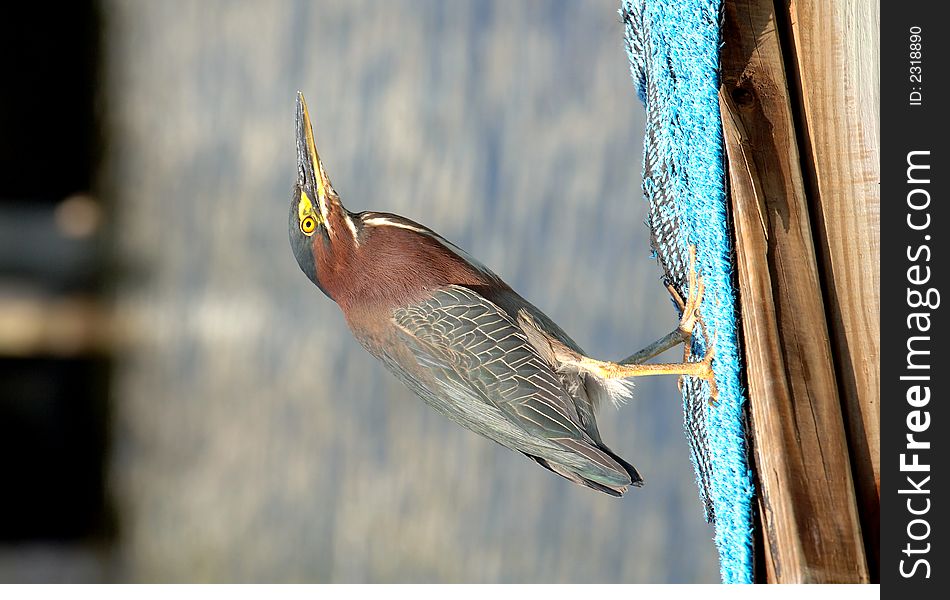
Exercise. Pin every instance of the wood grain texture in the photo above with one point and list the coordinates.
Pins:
(835, 55)
(809, 511)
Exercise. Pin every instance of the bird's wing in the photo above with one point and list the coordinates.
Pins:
(476, 352)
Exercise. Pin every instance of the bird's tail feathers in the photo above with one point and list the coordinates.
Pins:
(616, 491)
(621, 474)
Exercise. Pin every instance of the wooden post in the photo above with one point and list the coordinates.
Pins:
(809, 513)
(835, 55)
(66, 326)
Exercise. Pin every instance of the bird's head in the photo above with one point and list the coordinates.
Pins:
(320, 227)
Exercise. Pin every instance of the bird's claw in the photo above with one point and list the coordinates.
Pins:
(705, 372)
(694, 298)
(688, 323)
(710, 375)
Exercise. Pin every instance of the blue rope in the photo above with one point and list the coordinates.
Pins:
(673, 47)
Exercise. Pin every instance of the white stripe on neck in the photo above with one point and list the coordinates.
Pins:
(384, 221)
(376, 221)
(326, 209)
(352, 227)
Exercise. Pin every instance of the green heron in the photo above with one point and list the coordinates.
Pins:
(461, 338)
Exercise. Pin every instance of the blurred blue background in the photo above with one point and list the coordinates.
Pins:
(248, 437)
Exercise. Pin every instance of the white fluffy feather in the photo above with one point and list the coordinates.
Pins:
(619, 390)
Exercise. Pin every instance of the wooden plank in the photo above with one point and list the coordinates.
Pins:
(809, 511)
(35, 325)
(835, 53)
(766, 570)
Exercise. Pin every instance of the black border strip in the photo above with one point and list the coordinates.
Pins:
(914, 267)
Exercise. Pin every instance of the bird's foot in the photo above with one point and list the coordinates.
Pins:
(705, 372)
(690, 308)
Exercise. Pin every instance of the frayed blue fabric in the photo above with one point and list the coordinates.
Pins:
(673, 47)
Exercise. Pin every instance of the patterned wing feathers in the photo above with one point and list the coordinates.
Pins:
(477, 353)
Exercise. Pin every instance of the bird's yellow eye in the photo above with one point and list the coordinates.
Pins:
(308, 225)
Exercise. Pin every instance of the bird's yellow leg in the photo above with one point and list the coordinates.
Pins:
(609, 370)
(658, 347)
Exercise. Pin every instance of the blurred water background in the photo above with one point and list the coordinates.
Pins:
(250, 439)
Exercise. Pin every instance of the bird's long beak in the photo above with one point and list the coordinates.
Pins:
(309, 168)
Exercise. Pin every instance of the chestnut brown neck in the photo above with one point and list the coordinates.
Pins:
(387, 261)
